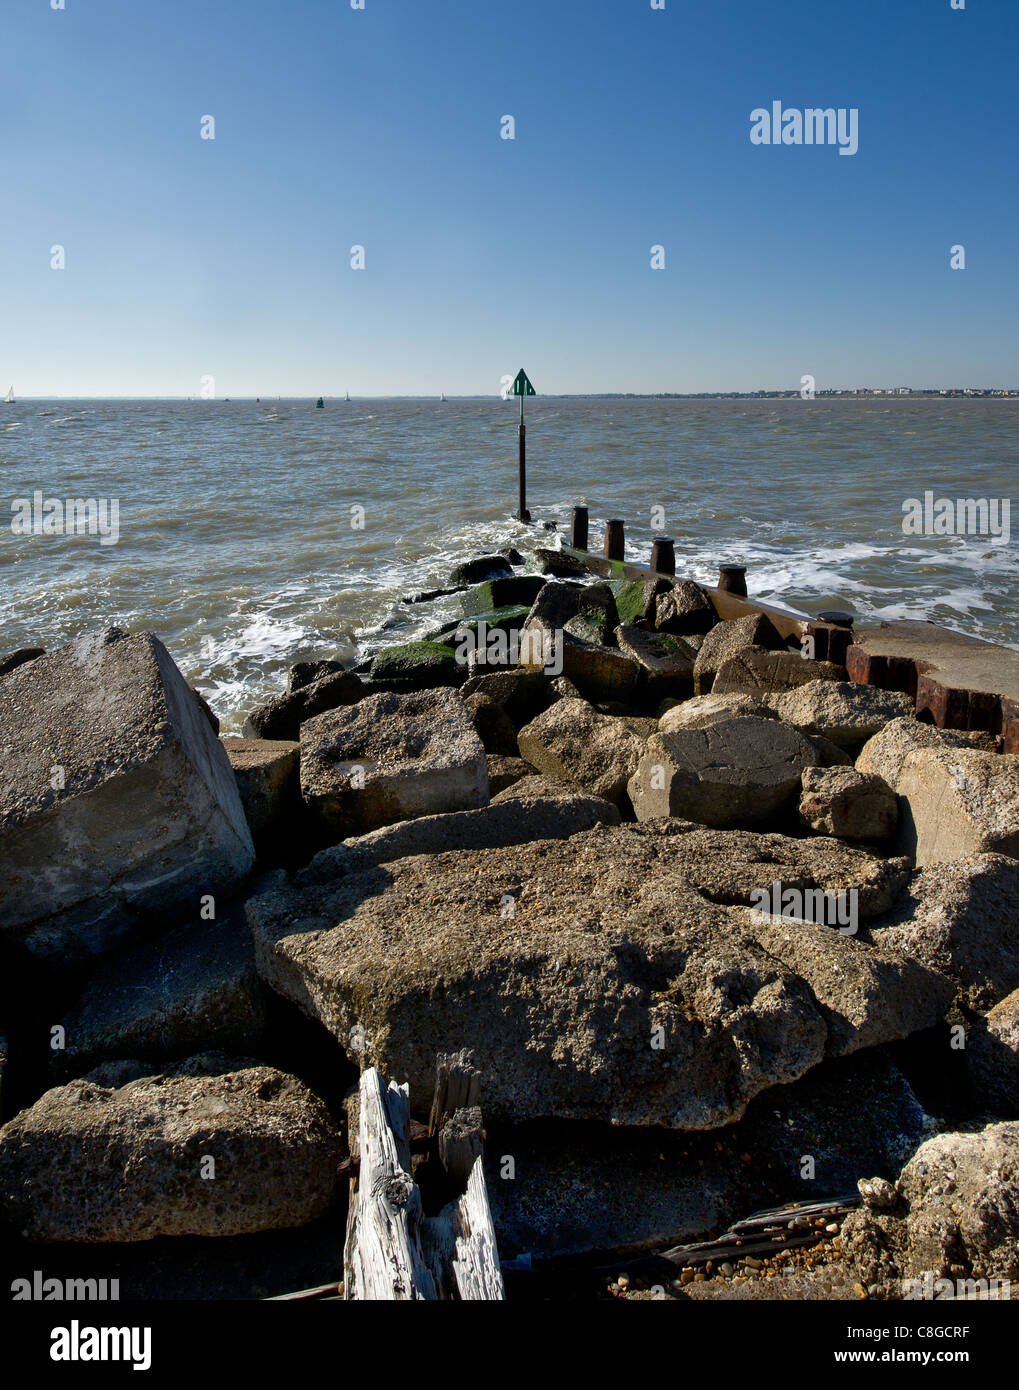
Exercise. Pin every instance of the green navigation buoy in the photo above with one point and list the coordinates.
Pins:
(319, 404)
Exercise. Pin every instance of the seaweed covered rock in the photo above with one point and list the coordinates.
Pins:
(418, 666)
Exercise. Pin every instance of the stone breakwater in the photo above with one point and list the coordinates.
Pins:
(721, 928)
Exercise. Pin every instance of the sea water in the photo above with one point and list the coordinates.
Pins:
(253, 534)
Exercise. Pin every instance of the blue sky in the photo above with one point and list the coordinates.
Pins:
(381, 127)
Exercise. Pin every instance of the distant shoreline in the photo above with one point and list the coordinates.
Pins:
(849, 393)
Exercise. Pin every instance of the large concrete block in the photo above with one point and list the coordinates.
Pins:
(392, 758)
(118, 805)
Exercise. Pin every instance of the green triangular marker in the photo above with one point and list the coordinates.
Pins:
(521, 386)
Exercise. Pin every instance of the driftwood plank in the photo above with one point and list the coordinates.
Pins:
(476, 1254)
(457, 1087)
(383, 1256)
(392, 1250)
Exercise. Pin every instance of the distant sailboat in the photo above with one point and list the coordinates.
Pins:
(9, 398)
(347, 396)
(443, 396)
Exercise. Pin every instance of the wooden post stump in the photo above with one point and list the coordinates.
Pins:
(578, 529)
(615, 544)
(733, 579)
(663, 555)
(393, 1251)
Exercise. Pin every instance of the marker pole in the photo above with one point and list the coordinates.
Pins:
(522, 514)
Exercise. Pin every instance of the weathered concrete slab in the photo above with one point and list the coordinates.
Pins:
(266, 771)
(580, 1188)
(123, 1155)
(665, 662)
(992, 1056)
(846, 714)
(958, 681)
(392, 758)
(281, 717)
(955, 800)
(769, 674)
(952, 1212)
(118, 805)
(599, 752)
(849, 804)
(740, 771)
(961, 919)
(567, 953)
(726, 640)
(552, 813)
(611, 962)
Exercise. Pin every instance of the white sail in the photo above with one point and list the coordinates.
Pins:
(9, 398)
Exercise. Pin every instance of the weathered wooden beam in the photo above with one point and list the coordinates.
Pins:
(457, 1086)
(320, 1293)
(393, 1251)
(476, 1255)
(383, 1256)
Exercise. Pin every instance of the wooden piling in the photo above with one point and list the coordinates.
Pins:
(393, 1251)
(663, 555)
(733, 579)
(615, 544)
(578, 529)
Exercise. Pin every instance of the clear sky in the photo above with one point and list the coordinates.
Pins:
(381, 127)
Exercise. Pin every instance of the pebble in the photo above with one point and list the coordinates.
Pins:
(687, 1277)
(832, 1228)
(726, 1269)
(623, 1281)
(751, 1263)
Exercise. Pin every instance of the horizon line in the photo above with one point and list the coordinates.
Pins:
(790, 393)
